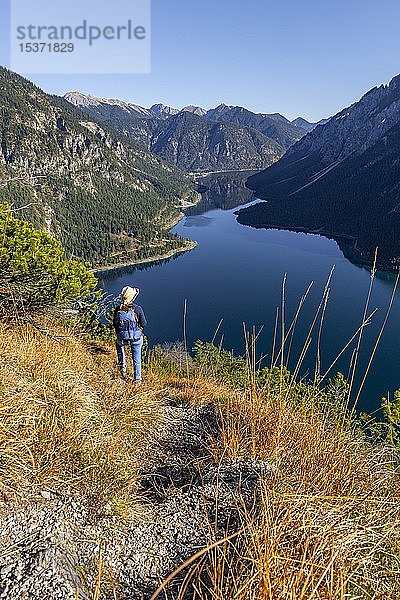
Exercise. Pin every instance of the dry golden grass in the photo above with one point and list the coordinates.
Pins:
(327, 523)
(67, 422)
(193, 391)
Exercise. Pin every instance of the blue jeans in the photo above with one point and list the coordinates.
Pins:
(136, 349)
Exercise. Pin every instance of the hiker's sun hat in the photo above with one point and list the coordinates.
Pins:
(128, 295)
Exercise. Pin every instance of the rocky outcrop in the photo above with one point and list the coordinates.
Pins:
(163, 111)
(108, 108)
(51, 549)
(273, 126)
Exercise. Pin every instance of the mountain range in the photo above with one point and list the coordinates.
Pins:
(101, 175)
(106, 177)
(195, 139)
(105, 198)
(342, 179)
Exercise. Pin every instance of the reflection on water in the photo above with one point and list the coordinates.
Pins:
(198, 221)
(225, 191)
(117, 272)
(222, 191)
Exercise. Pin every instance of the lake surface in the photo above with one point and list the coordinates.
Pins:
(236, 274)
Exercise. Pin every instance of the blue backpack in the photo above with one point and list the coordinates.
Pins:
(127, 325)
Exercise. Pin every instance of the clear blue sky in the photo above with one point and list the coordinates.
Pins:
(296, 57)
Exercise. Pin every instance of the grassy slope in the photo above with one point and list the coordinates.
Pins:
(327, 524)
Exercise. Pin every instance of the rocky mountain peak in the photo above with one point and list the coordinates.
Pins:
(163, 110)
(196, 110)
(106, 104)
(81, 100)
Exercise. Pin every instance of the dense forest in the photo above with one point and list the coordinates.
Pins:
(359, 199)
(103, 197)
(342, 180)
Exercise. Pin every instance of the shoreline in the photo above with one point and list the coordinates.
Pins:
(201, 174)
(142, 261)
(346, 242)
(189, 245)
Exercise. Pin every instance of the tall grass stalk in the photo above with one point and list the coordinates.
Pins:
(378, 339)
(366, 308)
(292, 327)
(185, 337)
(308, 338)
(282, 352)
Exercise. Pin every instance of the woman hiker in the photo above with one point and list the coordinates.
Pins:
(129, 322)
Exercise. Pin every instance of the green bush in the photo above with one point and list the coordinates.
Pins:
(170, 359)
(34, 270)
(215, 362)
(385, 428)
(391, 413)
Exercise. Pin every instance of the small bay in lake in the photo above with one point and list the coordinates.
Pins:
(236, 274)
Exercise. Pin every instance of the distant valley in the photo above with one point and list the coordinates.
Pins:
(108, 178)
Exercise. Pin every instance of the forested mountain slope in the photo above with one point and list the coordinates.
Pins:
(343, 178)
(105, 198)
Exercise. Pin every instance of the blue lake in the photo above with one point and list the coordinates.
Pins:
(236, 274)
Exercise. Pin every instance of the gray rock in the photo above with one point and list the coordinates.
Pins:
(51, 547)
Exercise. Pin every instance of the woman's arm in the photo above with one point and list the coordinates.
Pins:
(141, 318)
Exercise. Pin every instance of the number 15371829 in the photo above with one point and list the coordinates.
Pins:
(47, 47)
